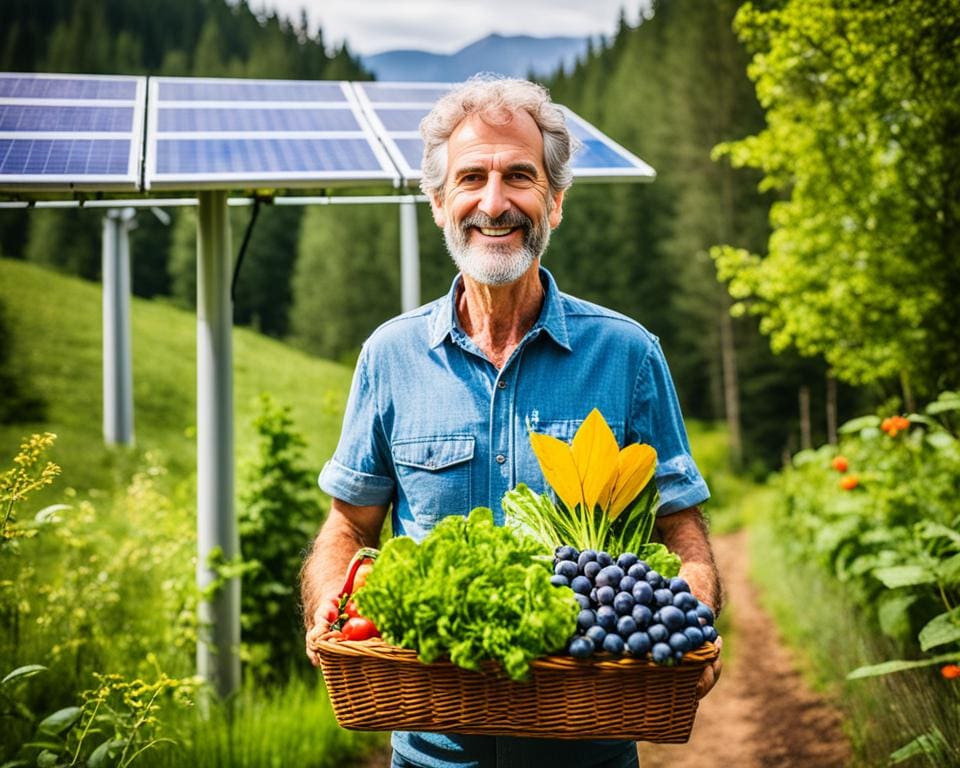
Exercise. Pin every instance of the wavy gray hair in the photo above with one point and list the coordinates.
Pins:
(493, 97)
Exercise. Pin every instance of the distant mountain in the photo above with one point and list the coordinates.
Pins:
(515, 56)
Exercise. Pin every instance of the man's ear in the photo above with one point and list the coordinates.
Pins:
(556, 212)
(436, 207)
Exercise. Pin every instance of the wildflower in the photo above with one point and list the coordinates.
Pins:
(950, 671)
(840, 463)
(892, 425)
(849, 482)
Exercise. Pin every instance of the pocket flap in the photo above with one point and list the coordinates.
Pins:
(433, 453)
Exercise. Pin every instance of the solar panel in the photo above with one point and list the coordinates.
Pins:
(396, 109)
(227, 133)
(71, 132)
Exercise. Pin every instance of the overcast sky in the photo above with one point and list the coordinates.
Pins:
(445, 26)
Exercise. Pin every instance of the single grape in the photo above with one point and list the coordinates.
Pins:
(606, 595)
(639, 644)
(607, 617)
(566, 552)
(626, 560)
(658, 633)
(684, 601)
(596, 633)
(704, 612)
(709, 633)
(610, 576)
(613, 644)
(604, 559)
(673, 618)
(627, 583)
(678, 585)
(653, 579)
(591, 569)
(637, 570)
(581, 585)
(661, 653)
(623, 603)
(695, 636)
(626, 626)
(643, 593)
(693, 619)
(641, 614)
(663, 597)
(586, 619)
(581, 647)
(679, 642)
(585, 557)
(566, 568)
(583, 600)
(559, 581)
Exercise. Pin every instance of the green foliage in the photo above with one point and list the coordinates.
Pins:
(862, 102)
(881, 518)
(472, 590)
(19, 401)
(278, 513)
(55, 323)
(347, 278)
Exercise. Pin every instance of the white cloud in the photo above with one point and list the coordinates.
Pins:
(444, 26)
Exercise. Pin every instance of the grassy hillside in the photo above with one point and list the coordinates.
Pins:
(56, 325)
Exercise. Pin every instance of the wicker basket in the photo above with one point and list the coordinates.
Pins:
(378, 687)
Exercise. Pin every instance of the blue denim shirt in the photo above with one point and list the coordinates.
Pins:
(433, 428)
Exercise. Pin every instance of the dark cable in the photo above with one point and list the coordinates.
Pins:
(243, 250)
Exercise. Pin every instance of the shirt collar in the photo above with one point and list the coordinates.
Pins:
(552, 318)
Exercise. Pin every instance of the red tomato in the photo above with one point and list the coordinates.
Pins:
(351, 610)
(840, 463)
(359, 628)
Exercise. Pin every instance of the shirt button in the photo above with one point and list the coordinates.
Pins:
(501, 384)
(501, 458)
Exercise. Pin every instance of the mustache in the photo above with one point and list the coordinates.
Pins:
(510, 218)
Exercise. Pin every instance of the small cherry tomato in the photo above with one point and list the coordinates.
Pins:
(359, 628)
(840, 463)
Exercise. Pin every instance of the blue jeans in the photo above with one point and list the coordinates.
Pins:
(627, 760)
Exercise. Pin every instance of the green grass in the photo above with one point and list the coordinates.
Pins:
(56, 325)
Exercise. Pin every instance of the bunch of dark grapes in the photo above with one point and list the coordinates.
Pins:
(626, 607)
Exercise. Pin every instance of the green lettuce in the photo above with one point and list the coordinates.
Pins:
(472, 591)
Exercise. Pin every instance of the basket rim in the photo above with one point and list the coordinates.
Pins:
(378, 648)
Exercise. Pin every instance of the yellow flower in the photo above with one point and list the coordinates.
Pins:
(593, 472)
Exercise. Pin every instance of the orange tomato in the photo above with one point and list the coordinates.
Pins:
(840, 463)
(849, 482)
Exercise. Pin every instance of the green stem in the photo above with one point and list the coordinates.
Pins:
(86, 730)
(136, 727)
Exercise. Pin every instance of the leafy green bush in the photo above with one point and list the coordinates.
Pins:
(279, 512)
(881, 516)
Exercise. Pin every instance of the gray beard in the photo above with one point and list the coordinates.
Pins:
(496, 264)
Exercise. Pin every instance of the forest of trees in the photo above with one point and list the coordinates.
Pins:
(671, 89)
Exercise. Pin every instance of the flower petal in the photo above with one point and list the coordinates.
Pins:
(595, 453)
(559, 468)
(637, 463)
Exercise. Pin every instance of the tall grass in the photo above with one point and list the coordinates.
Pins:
(291, 725)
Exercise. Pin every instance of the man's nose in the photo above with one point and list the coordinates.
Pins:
(494, 201)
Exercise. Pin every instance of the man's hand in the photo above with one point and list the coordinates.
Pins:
(347, 529)
(711, 674)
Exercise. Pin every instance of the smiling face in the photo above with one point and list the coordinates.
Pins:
(497, 209)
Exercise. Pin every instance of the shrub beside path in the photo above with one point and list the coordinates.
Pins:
(762, 713)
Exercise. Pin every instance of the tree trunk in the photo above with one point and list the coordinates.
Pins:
(731, 385)
(806, 440)
(831, 409)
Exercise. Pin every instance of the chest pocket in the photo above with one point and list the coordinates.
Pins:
(434, 476)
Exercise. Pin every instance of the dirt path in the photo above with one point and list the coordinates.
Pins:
(762, 714)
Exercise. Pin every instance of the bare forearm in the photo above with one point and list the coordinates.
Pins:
(346, 530)
(685, 533)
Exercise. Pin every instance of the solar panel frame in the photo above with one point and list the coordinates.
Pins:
(57, 95)
(159, 175)
(379, 99)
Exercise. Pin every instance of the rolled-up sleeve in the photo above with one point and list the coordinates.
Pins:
(361, 470)
(659, 422)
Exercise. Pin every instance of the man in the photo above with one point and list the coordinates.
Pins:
(443, 396)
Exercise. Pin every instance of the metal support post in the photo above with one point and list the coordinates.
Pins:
(218, 659)
(409, 255)
(117, 357)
